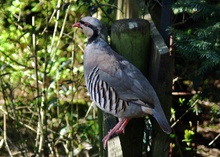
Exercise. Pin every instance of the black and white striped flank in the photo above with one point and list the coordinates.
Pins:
(103, 95)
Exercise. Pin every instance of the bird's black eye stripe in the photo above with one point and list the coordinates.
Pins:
(88, 25)
(82, 22)
(85, 23)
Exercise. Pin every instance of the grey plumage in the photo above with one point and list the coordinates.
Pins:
(117, 86)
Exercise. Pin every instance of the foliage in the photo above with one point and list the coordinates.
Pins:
(200, 45)
(201, 41)
(188, 137)
(197, 38)
(215, 113)
(197, 9)
(42, 92)
(43, 99)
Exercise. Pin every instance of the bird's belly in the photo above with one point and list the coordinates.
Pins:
(132, 111)
(121, 110)
(111, 106)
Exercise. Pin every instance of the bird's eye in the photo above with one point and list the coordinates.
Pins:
(85, 23)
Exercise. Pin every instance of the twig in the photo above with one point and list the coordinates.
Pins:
(5, 135)
(55, 30)
(90, 107)
(9, 93)
(178, 144)
(13, 60)
(5, 74)
(182, 22)
(51, 17)
(157, 1)
(210, 143)
(61, 32)
(14, 111)
(112, 6)
(184, 113)
(106, 14)
(25, 125)
(39, 131)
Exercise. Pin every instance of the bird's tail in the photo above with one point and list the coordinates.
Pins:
(161, 119)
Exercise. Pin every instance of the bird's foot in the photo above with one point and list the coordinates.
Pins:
(118, 129)
(105, 140)
(122, 127)
(109, 135)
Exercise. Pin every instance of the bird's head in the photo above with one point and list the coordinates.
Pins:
(89, 26)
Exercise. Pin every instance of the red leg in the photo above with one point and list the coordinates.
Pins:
(122, 127)
(118, 129)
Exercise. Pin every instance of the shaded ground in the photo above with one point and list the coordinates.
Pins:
(208, 140)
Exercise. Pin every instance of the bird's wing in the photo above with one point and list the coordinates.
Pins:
(130, 85)
(128, 82)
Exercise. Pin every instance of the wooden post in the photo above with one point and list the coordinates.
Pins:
(130, 38)
(160, 75)
(127, 9)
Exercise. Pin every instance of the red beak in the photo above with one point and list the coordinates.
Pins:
(77, 25)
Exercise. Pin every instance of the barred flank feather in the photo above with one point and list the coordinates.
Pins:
(105, 97)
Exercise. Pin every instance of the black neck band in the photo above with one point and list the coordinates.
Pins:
(94, 36)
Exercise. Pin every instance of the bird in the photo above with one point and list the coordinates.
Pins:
(115, 85)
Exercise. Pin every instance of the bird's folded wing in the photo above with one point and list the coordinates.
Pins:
(128, 82)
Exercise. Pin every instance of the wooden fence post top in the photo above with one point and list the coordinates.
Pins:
(114, 147)
(130, 25)
(131, 39)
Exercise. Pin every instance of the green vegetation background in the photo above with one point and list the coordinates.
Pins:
(43, 100)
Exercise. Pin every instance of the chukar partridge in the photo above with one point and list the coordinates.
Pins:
(114, 84)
